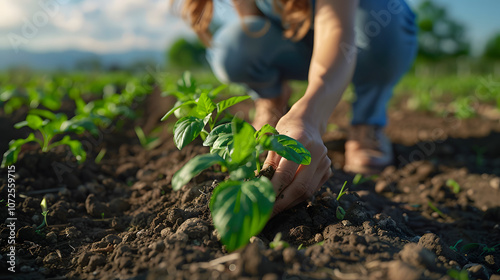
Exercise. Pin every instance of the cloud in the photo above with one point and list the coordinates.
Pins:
(90, 25)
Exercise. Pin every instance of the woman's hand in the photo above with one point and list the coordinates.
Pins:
(292, 182)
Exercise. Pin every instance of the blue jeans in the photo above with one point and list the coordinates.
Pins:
(258, 55)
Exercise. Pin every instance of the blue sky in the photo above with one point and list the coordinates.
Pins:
(121, 25)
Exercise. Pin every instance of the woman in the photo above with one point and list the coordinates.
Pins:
(329, 43)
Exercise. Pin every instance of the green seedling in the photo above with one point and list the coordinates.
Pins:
(480, 151)
(49, 125)
(454, 247)
(340, 212)
(102, 215)
(278, 243)
(100, 155)
(435, 209)
(360, 179)
(241, 205)
(188, 93)
(485, 248)
(454, 185)
(458, 275)
(147, 143)
(45, 212)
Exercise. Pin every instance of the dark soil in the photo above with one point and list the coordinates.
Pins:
(120, 219)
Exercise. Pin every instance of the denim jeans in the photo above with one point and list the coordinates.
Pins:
(253, 51)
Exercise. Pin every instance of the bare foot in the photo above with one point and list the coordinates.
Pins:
(270, 110)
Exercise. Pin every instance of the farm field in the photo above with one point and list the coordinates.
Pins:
(111, 211)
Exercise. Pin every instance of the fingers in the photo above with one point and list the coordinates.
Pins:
(284, 175)
(307, 181)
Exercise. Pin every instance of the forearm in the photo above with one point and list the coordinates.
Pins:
(332, 64)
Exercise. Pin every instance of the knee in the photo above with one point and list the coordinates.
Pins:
(236, 47)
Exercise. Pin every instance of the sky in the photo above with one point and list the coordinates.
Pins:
(122, 25)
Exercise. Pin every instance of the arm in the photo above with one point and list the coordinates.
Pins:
(329, 74)
(332, 65)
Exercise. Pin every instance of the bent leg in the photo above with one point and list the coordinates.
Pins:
(387, 45)
(255, 53)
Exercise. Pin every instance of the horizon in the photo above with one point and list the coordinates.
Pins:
(101, 28)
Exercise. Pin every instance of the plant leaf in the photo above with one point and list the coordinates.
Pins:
(287, 147)
(224, 104)
(11, 155)
(75, 146)
(186, 130)
(216, 133)
(244, 143)
(34, 122)
(171, 111)
(193, 168)
(205, 105)
(43, 113)
(240, 210)
(214, 92)
(266, 129)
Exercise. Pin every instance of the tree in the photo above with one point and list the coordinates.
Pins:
(185, 54)
(439, 36)
(492, 50)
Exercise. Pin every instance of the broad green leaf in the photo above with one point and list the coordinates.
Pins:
(223, 141)
(186, 130)
(243, 172)
(80, 125)
(224, 104)
(240, 210)
(214, 92)
(10, 156)
(205, 105)
(34, 122)
(244, 143)
(287, 147)
(222, 152)
(216, 133)
(266, 129)
(44, 113)
(171, 111)
(193, 168)
(51, 102)
(75, 146)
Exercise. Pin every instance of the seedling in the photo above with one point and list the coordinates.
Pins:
(458, 275)
(360, 179)
(45, 212)
(435, 209)
(102, 215)
(147, 143)
(485, 248)
(278, 243)
(340, 212)
(242, 205)
(100, 155)
(454, 247)
(50, 125)
(454, 185)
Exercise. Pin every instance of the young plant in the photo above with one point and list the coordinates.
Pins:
(454, 185)
(340, 212)
(241, 205)
(147, 142)
(45, 212)
(278, 243)
(188, 93)
(50, 125)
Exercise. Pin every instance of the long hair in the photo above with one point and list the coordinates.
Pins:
(296, 17)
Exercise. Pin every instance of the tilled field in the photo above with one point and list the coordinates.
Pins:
(120, 219)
